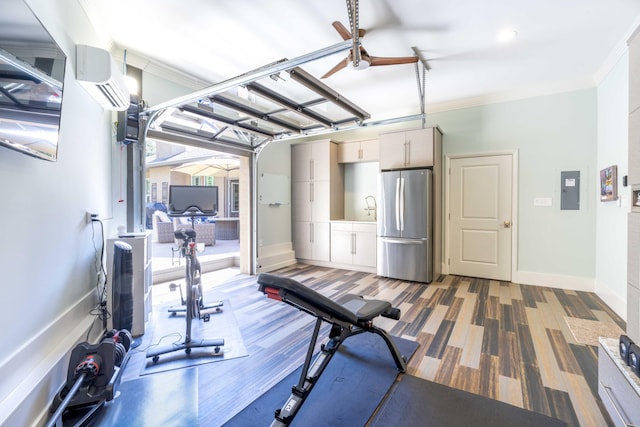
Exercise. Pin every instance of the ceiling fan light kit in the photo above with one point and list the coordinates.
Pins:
(508, 35)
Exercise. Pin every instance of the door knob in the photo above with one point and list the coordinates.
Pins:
(507, 224)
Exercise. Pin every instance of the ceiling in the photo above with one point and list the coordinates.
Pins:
(561, 45)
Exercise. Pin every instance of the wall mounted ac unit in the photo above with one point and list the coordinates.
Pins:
(98, 74)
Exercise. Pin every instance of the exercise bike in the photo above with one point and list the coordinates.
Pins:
(194, 307)
(200, 310)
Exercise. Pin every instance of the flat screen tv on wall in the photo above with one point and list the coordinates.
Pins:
(31, 83)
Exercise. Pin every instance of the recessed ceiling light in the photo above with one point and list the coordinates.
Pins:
(506, 36)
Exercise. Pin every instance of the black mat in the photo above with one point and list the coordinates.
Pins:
(414, 401)
(167, 399)
(165, 329)
(347, 393)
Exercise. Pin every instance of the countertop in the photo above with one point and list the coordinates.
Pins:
(354, 221)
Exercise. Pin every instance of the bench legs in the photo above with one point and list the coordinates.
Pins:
(311, 370)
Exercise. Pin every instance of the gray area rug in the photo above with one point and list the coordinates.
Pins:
(166, 330)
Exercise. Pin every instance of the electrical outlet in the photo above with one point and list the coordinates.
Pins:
(89, 217)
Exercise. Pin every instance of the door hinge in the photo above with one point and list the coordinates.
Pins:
(448, 261)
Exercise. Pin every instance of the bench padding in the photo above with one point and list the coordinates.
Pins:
(351, 308)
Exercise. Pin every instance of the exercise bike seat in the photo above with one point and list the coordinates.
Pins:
(185, 233)
(353, 309)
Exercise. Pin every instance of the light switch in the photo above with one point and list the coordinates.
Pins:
(542, 201)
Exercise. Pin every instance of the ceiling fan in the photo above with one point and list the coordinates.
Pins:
(362, 59)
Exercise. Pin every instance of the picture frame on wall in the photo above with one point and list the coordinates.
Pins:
(609, 184)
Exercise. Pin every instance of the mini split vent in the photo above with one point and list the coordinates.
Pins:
(97, 73)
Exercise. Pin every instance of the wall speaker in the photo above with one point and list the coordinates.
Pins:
(625, 343)
(634, 358)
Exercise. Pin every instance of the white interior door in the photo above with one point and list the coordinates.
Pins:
(480, 217)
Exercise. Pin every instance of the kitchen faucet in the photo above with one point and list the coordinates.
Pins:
(370, 208)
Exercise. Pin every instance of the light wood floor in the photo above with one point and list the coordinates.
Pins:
(502, 340)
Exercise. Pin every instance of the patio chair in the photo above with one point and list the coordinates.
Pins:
(162, 227)
(206, 233)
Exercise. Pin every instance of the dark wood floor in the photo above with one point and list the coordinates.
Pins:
(502, 340)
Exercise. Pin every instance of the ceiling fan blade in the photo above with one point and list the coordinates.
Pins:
(377, 60)
(339, 66)
(342, 30)
(344, 33)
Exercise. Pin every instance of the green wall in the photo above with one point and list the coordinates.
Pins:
(551, 134)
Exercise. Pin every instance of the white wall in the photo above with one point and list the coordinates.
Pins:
(47, 259)
(611, 217)
(274, 222)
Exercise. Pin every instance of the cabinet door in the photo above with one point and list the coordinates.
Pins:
(341, 244)
(302, 200)
(392, 151)
(349, 152)
(301, 162)
(419, 150)
(365, 245)
(321, 241)
(302, 239)
(369, 150)
(634, 74)
(320, 200)
(320, 161)
(633, 151)
(358, 151)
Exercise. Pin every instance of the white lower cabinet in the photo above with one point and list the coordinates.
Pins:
(311, 240)
(353, 243)
(618, 386)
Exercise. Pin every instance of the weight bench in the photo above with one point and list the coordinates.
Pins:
(350, 315)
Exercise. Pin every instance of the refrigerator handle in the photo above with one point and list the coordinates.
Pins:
(401, 204)
(398, 203)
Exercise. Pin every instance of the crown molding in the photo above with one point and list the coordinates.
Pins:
(161, 70)
(512, 95)
(620, 49)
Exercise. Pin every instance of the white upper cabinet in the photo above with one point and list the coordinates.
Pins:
(409, 149)
(311, 162)
(358, 151)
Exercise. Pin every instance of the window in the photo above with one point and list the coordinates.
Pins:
(154, 192)
(165, 192)
(234, 198)
(202, 180)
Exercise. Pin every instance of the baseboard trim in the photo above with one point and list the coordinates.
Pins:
(34, 372)
(275, 256)
(617, 304)
(574, 283)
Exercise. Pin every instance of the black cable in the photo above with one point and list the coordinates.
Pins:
(100, 311)
(157, 343)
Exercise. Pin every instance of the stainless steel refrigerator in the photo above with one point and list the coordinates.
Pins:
(405, 225)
